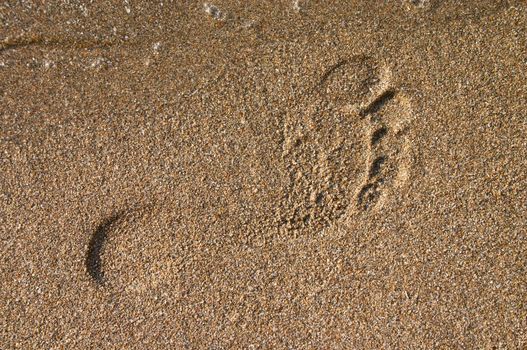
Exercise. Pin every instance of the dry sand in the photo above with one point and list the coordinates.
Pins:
(263, 175)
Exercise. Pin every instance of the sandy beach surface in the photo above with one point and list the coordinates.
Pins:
(263, 174)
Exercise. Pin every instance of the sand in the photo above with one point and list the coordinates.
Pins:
(263, 175)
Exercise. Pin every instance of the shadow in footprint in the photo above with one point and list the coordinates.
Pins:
(95, 247)
(368, 196)
(378, 103)
(378, 135)
(376, 165)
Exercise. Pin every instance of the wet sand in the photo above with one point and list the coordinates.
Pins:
(265, 175)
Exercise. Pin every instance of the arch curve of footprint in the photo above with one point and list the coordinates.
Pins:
(345, 152)
(136, 253)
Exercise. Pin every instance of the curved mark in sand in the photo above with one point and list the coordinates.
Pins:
(50, 42)
(93, 257)
(134, 253)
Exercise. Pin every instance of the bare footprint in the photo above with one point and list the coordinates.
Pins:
(323, 149)
(344, 145)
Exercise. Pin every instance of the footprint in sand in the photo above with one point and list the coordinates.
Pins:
(344, 152)
(346, 149)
